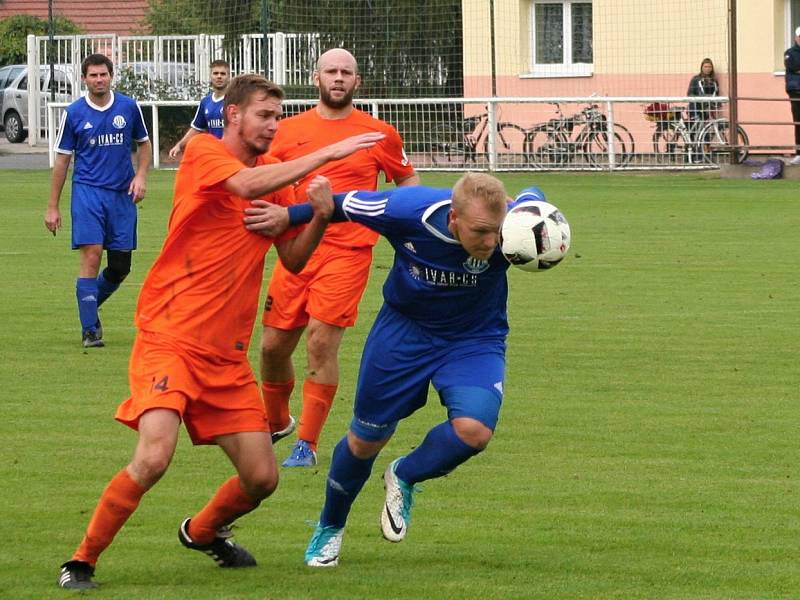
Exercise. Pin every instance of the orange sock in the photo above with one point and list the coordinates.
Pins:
(317, 401)
(229, 503)
(116, 505)
(276, 402)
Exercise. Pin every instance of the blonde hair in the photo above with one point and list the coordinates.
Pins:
(479, 187)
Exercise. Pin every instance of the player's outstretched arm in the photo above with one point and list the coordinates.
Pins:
(294, 253)
(52, 216)
(257, 181)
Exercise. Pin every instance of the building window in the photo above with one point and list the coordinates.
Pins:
(561, 38)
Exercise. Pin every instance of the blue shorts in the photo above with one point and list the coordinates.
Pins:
(400, 361)
(102, 216)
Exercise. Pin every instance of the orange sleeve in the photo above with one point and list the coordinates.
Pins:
(213, 164)
(392, 157)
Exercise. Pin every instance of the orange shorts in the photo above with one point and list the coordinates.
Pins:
(213, 396)
(329, 289)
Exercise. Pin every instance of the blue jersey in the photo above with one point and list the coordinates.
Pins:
(209, 115)
(433, 280)
(102, 139)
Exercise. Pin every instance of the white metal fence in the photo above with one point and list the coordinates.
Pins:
(178, 63)
(524, 134)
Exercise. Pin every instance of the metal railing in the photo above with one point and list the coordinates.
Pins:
(517, 134)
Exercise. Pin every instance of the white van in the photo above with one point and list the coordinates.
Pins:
(14, 96)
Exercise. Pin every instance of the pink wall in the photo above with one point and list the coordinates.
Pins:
(753, 114)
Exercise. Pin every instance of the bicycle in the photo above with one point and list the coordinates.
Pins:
(679, 139)
(453, 145)
(551, 145)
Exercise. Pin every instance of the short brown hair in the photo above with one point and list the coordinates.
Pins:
(220, 63)
(482, 187)
(243, 88)
(96, 60)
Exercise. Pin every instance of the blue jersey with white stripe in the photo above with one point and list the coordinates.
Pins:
(102, 139)
(209, 115)
(433, 280)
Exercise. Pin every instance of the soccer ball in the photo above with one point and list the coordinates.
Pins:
(535, 236)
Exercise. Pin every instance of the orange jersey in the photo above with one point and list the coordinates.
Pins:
(203, 288)
(308, 131)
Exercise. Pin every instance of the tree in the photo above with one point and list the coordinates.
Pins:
(14, 31)
(405, 48)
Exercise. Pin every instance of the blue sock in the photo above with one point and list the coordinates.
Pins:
(104, 288)
(439, 453)
(86, 293)
(346, 477)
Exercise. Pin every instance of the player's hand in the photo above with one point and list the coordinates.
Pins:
(266, 218)
(175, 150)
(354, 143)
(321, 197)
(52, 219)
(137, 189)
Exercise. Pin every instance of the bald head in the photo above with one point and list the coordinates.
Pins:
(337, 78)
(337, 56)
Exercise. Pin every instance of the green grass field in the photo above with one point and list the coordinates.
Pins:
(647, 447)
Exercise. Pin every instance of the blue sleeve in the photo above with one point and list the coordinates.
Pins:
(65, 141)
(199, 122)
(299, 214)
(370, 209)
(139, 128)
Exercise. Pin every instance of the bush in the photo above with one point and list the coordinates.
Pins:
(173, 120)
(14, 31)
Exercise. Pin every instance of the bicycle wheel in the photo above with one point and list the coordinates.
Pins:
(448, 148)
(714, 142)
(596, 149)
(625, 155)
(510, 146)
(670, 146)
(546, 148)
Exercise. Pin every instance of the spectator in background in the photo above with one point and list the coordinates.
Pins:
(208, 118)
(791, 60)
(703, 84)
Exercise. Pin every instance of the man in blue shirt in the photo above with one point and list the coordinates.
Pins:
(208, 117)
(443, 322)
(100, 129)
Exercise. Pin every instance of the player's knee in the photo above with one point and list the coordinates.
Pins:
(322, 343)
(261, 483)
(472, 432)
(273, 350)
(147, 468)
(119, 266)
(364, 449)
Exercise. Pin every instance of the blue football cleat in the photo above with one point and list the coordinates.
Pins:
(302, 456)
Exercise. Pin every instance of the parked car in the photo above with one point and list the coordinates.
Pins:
(14, 96)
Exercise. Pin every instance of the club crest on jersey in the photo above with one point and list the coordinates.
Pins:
(119, 122)
(475, 265)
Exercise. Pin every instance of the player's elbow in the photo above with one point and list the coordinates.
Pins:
(293, 264)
